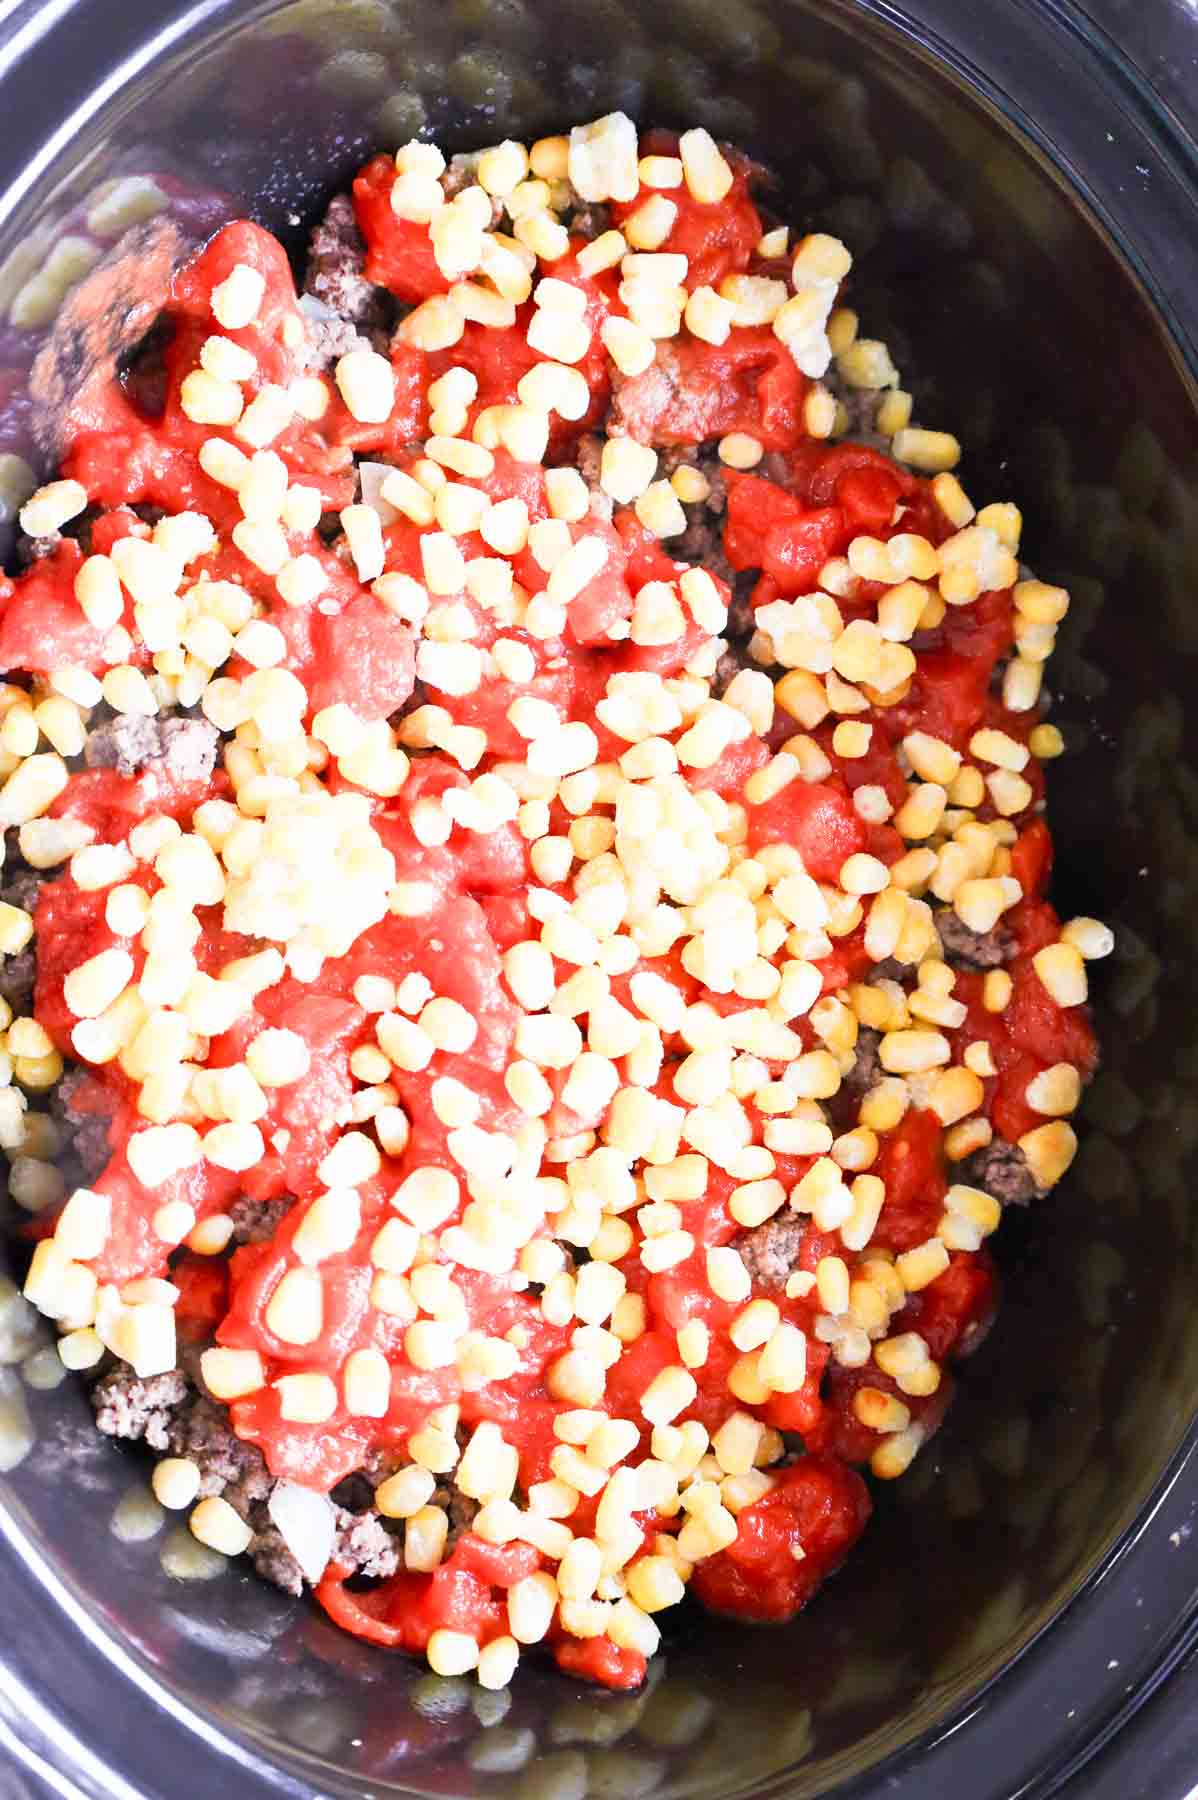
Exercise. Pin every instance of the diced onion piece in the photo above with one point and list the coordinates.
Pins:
(306, 1525)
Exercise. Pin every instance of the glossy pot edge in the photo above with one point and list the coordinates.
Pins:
(1165, 264)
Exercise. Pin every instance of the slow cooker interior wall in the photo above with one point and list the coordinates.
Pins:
(1020, 328)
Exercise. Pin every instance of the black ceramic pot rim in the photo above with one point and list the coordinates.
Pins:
(1079, 1679)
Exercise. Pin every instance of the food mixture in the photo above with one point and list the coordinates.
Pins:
(528, 975)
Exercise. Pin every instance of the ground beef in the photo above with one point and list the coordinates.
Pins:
(18, 971)
(329, 336)
(200, 1430)
(172, 1417)
(703, 539)
(731, 662)
(695, 456)
(771, 1252)
(28, 550)
(587, 219)
(186, 747)
(775, 467)
(866, 1072)
(861, 405)
(364, 1542)
(87, 1132)
(462, 172)
(639, 402)
(741, 625)
(737, 632)
(127, 1406)
(588, 457)
(703, 542)
(966, 949)
(269, 1553)
(459, 1506)
(255, 1221)
(336, 258)
(24, 884)
(1002, 1169)
(91, 1147)
(17, 976)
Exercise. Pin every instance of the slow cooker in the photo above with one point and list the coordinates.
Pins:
(1019, 188)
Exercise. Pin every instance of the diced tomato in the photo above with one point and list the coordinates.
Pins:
(459, 1600)
(501, 1565)
(646, 558)
(408, 419)
(605, 600)
(399, 253)
(1035, 1022)
(364, 657)
(695, 391)
(717, 238)
(867, 497)
(818, 818)
(1031, 858)
(821, 474)
(255, 1273)
(499, 357)
(598, 1659)
(878, 767)
(953, 1313)
(817, 1506)
(642, 1361)
(1010, 1113)
(947, 698)
(241, 244)
(42, 626)
(842, 1434)
(984, 629)
(802, 1410)
(910, 1165)
(769, 529)
(849, 961)
(663, 659)
(789, 527)
(463, 1594)
(1033, 923)
(315, 1456)
(364, 1615)
(732, 769)
(203, 1284)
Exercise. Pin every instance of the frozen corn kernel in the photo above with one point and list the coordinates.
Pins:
(704, 168)
(52, 507)
(176, 1482)
(236, 299)
(215, 1523)
(929, 451)
(367, 385)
